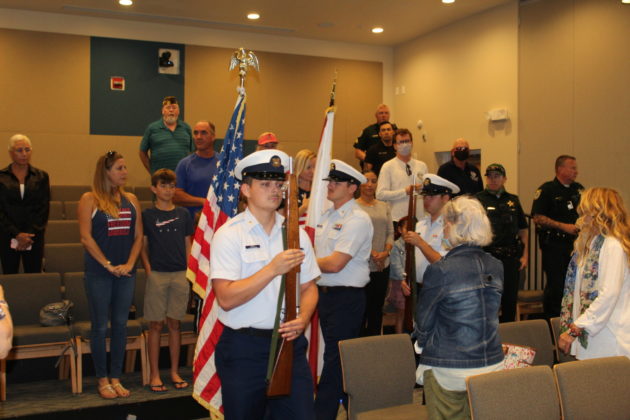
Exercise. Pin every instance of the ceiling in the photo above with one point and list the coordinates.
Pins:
(332, 20)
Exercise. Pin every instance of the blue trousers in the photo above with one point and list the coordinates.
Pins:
(341, 312)
(241, 362)
(109, 294)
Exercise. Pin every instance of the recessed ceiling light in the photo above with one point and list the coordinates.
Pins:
(125, 2)
(253, 16)
(448, 1)
(625, 1)
(377, 30)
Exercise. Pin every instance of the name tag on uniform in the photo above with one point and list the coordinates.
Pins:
(252, 246)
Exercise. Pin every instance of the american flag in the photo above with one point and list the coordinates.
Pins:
(221, 204)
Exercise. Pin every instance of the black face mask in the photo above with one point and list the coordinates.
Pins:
(462, 154)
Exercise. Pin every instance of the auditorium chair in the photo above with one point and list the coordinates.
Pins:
(75, 291)
(187, 328)
(56, 211)
(533, 333)
(142, 193)
(379, 375)
(561, 357)
(594, 389)
(70, 209)
(529, 302)
(515, 394)
(63, 258)
(26, 295)
(68, 192)
(62, 232)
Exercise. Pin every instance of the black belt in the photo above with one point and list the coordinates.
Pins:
(256, 332)
(328, 289)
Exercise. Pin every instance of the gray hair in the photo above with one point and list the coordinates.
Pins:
(18, 137)
(468, 222)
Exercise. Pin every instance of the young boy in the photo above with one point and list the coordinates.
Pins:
(167, 242)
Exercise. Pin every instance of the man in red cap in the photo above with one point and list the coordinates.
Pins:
(267, 140)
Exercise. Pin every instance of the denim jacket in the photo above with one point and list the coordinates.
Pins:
(457, 312)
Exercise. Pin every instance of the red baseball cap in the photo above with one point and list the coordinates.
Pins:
(267, 137)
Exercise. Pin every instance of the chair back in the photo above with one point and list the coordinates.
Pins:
(56, 211)
(378, 372)
(71, 210)
(594, 389)
(63, 232)
(143, 193)
(515, 394)
(533, 333)
(63, 258)
(555, 330)
(68, 192)
(75, 291)
(28, 293)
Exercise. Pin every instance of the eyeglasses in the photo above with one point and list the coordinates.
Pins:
(408, 169)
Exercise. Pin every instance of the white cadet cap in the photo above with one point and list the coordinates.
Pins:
(342, 172)
(436, 185)
(263, 164)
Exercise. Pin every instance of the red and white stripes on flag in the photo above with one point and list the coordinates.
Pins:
(318, 204)
(220, 205)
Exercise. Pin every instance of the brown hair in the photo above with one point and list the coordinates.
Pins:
(402, 132)
(165, 176)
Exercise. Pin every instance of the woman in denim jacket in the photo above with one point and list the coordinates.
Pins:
(457, 312)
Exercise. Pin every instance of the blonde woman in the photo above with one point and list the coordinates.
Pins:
(596, 304)
(304, 169)
(111, 233)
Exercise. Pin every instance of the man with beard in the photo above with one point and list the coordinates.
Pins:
(382, 151)
(169, 139)
(461, 173)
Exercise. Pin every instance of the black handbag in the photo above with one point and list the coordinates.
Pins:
(56, 313)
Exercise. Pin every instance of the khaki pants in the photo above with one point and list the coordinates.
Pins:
(443, 404)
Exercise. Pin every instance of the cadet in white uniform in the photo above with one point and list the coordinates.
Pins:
(247, 263)
(429, 235)
(343, 240)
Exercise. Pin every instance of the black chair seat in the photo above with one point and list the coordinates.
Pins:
(25, 335)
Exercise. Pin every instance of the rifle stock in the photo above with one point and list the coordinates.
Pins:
(410, 266)
(280, 381)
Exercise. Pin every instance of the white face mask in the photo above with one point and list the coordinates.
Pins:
(404, 149)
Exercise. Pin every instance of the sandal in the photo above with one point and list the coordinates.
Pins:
(180, 384)
(120, 390)
(107, 392)
(158, 389)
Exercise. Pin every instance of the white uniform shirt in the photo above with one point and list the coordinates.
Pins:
(349, 230)
(606, 319)
(432, 233)
(392, 182)
(241, 248)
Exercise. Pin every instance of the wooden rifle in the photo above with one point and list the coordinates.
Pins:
(280, 381)
(410, 264)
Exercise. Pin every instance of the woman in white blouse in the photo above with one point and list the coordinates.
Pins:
(596, 303)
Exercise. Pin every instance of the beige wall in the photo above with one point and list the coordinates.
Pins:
(45, 87)
(574, 95)
(451, 77)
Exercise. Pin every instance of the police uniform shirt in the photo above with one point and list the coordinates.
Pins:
(240, 248)
(433, 234)
(506, 217)
(347, 229)
(393, 181)
(557, 202)
(468, 180)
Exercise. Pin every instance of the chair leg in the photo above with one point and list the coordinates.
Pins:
(143, 362)
(130, 360)
(79, 372)
(73, 372)
(3, 380)
(190, 354)
(518, 312)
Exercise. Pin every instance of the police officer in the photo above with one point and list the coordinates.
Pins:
(509, 243)
(343, 241)
(247, 263)
(555, 213)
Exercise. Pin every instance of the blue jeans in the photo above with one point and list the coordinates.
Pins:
(109, 294)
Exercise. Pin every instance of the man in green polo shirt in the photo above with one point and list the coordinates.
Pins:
(168, 139)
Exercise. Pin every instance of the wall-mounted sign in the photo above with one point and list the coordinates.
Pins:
(117, 83)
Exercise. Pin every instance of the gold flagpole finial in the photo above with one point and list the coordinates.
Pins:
(243, 59)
